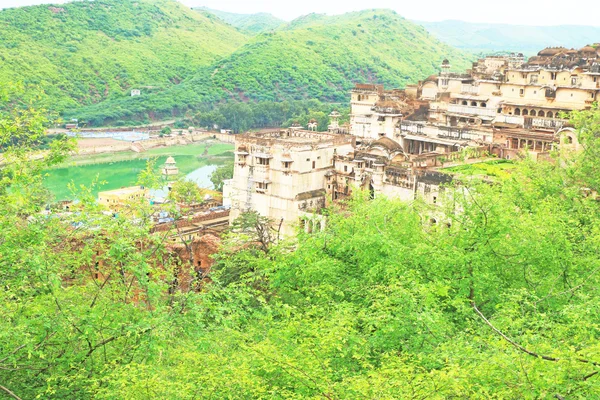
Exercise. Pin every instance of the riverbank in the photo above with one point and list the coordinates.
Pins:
(88, 146)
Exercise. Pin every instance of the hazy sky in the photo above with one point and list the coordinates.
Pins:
(525, 12)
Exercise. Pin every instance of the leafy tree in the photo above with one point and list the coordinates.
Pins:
(186, 192)
(221, 174)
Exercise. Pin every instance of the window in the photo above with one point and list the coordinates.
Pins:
(550, 115)
(314, 164)
(287, 164)
(592, 95)
(345, 168)
(464, 103)
(595, 79)
(473, 104)
(261, 186)
(573, 81)
(517, 111)
(541, 113)
(263, 161)
(484, 105)
(434, 199)
(553, 75)
(533, 114)
(521, 91)
(534, 79)
(525, 112)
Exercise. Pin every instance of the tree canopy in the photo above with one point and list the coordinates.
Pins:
(496, 300)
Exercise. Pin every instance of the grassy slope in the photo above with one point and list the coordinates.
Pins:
(496, 37)
(85, 52)
(313, 57)
(249, 23)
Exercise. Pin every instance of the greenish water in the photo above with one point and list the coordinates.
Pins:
(122, 169)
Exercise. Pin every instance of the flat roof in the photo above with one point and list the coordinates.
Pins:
(123, 190)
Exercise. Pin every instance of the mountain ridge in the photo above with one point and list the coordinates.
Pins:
(86, 52)
(528, 39)
(248, 23)
(305, 60)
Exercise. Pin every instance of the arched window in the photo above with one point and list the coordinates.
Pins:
(525, 112)
(541, 113)
(483, 104)
(517, 111)
(474, 104)
(550, 115)
(532, 113)
(569, 139)
(464, 103)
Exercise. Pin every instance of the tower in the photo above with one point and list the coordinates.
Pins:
(334, 126)
(170, 167)
(445, 68)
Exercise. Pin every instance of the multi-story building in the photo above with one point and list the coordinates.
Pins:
(291, 175)
(281, 174)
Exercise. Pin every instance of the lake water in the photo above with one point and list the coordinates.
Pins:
(113, 175)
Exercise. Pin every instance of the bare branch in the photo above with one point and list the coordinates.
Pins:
(523, 349)
(10, 393)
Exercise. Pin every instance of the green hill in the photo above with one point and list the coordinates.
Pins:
(84, 52)
(248, 23)
(498, 37)
(316, 56)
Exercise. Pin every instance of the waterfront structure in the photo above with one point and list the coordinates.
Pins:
(170, 167)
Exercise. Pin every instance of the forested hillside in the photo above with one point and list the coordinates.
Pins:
(249, 23)
(503, 37)
(85, 52)
(314, 57)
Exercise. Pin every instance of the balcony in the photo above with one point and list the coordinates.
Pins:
(510, 119)
(469, 110)
(544, 123)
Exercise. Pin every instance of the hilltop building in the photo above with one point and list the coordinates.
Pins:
(397, 139)
(281, 174)
(291, 175)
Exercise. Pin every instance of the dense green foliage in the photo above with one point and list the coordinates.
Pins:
(314, 57)
(239, 117)
(221, 174)
(497, 300)
(488, 38)
(85, 52)
(248, 23)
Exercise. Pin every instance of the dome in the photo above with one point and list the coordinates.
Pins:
(388, 144)
(550, 51)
